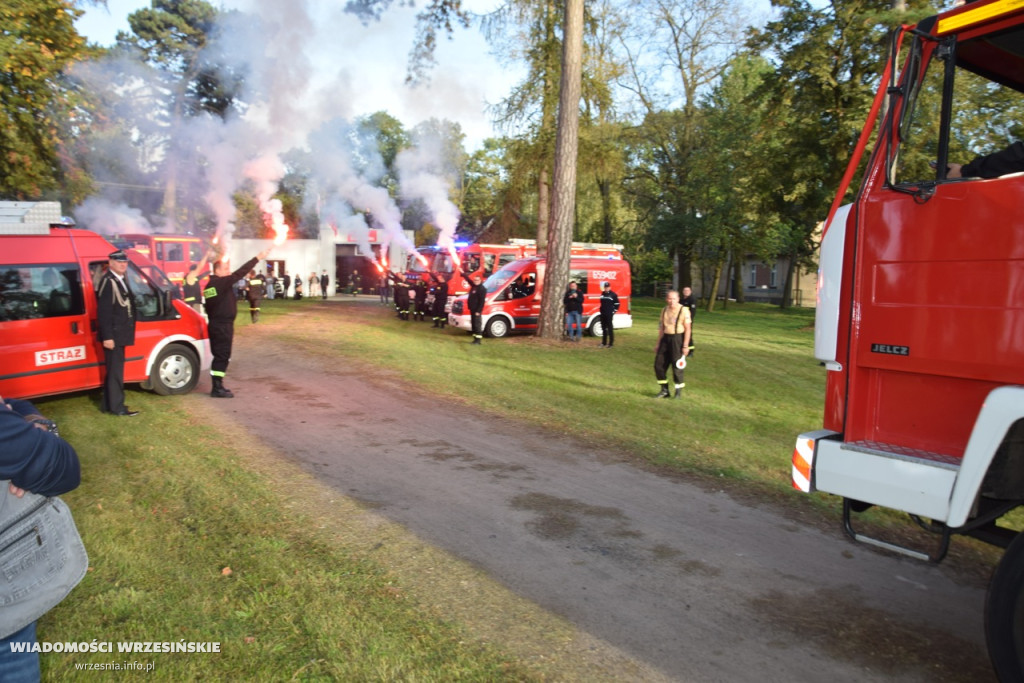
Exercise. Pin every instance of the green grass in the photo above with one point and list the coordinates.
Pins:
(751, 386)
(165, 510)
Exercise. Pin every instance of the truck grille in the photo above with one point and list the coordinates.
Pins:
(457, 308)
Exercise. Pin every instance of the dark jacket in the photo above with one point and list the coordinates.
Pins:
(221, 302)
(477, 295)
(573, 300)
(690, 303)
(609, 302)
(1009, 160)
(115, 311)
(440, 297)
(33, 459)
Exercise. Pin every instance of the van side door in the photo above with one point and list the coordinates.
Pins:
(46, 341)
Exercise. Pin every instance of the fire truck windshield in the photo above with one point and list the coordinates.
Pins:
(500, 279)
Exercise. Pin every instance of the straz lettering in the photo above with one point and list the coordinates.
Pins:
(603, 274)
(57, 356)
(890, 349)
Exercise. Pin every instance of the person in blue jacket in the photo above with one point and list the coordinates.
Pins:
(33, 458)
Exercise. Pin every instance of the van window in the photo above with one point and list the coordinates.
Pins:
(145, 296)
(40, 291)
(580, 276)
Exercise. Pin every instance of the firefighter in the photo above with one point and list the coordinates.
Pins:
(420, 292)
(440, 291)
(191, 288)
(673, 341)
(401, 294)
(221, 309)
(255, 289)
(475, 301)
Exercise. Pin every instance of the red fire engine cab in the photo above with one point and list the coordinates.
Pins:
(920, 319)
(174, 254)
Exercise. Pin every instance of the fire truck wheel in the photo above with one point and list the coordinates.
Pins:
(497, 328)
(1004, 614)
(176, 371)
(596, 329)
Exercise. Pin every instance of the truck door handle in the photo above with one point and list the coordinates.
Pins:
(74, 328)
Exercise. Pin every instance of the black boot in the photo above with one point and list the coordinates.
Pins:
(679, 390)
(664, 392)
(219, 390)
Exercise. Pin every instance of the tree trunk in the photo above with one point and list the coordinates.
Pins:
(716, 279)
(543, 210)
(787, 291)
(563, 200)
(606, 210)
(737, 282)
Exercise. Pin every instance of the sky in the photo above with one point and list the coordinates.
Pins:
(370, 63)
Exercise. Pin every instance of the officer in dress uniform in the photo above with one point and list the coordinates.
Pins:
(221, 308)
(115, 312)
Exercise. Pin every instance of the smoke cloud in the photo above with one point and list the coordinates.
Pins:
(289, 105)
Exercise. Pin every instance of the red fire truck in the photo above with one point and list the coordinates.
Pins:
(514, 295)
(920, 319)
(487, 259)
(174, 254)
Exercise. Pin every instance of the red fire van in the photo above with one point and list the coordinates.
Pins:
(514, 295)
(48, 342)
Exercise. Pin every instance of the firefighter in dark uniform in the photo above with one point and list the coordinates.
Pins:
(191, 287)
(401, 294)
(440, 291)
(420, 290)
(475, 301)
(255, 289)
(115, 313)
(221, 308)
(687, 300)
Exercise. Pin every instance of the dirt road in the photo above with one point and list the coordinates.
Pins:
(691, 582)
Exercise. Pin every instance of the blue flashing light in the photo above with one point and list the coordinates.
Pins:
(461, 244)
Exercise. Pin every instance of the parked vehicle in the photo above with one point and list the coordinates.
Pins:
(514, 295)
(486, 259)
(174, 254)
(48, 342)
(919, 320)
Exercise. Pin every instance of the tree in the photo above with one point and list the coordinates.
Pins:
(39, 106)
(676, 51)
(171, 37)
(828, 59)
(563, 199)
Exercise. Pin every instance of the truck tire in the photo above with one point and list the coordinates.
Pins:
(596, 329)
(497, 327)
(176, 371)
(1004, 614)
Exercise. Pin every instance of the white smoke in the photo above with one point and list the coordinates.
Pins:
(421, 176)
(272, 45)
(107, 218)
